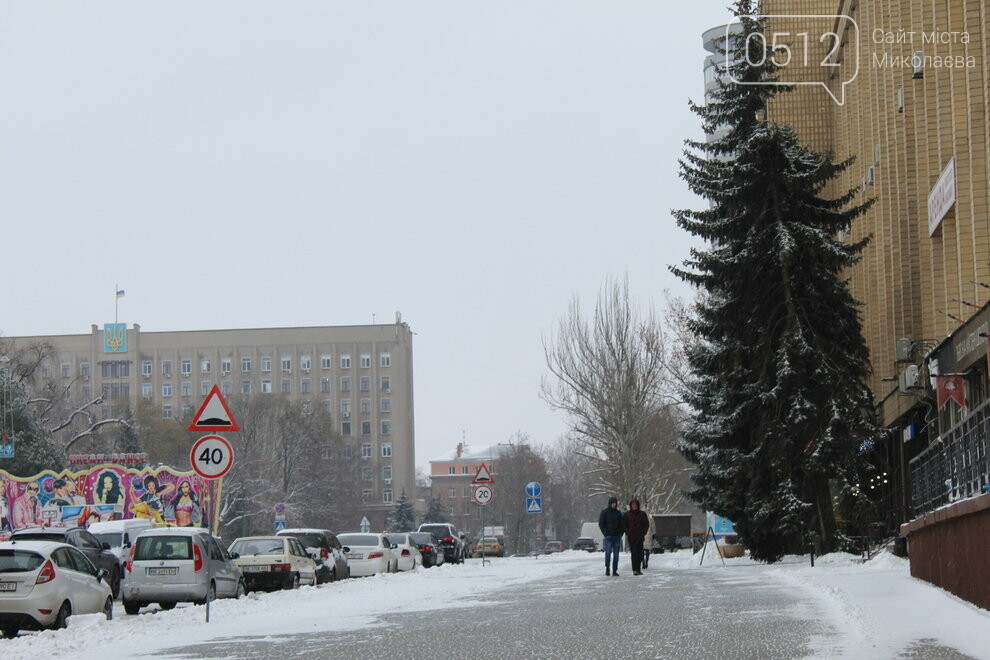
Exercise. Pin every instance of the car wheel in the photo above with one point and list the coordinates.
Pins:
(333, 575)
(115, 582)
(295, 581)
(108, 608)
(166, 606)
(241, 589)
(62, 616)
(9, 633)
(131, 606)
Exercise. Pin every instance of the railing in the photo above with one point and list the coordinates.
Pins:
(955, 467)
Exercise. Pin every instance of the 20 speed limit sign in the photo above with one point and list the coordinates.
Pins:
(211, 456)
(483, 494)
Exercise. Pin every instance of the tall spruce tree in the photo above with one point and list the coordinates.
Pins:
(780, 408)
(403, 517)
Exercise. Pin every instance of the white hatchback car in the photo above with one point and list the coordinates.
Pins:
(42, 583)
(369, 554)
(273, 562)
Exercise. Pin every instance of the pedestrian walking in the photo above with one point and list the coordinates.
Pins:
(636, 524)
(610, 522)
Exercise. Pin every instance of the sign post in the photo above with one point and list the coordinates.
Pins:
(483, 494)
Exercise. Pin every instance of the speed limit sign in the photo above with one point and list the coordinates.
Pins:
(483, 494)
(211, 456)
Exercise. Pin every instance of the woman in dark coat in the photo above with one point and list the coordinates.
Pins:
(635, 524)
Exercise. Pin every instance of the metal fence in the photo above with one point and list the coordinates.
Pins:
(955, 467)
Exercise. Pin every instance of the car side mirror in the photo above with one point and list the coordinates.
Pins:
(346, 549)
(314, 557)
(127, 544)
(106, 546)
(100, 574)
(235, 555)
(393, 546)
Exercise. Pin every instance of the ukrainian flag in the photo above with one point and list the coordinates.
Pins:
(120, 293)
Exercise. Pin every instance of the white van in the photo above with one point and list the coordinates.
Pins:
(120, 535)
(591, 531)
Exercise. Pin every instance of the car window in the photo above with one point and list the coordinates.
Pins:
(250, 547)
(297, 548)
(82, 564)
(215, 552)
(85, 540)
(62, 559)
(163, 547)
(334, 541)
(17, 561)
(222, 550)
(360, 539)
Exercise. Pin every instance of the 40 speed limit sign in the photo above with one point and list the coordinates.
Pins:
(211, 456)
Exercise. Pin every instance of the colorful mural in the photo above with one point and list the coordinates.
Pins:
(106, 492)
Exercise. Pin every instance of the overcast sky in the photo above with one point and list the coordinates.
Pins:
(237, 164)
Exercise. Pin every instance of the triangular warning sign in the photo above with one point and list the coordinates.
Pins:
(483, 476)
(213, 415)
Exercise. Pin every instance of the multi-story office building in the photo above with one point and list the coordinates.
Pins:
(362, 375)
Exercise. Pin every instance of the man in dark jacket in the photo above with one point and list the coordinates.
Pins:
(610, 522)
(636, 524)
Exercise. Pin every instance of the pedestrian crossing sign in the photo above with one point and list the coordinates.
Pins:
(534, 505)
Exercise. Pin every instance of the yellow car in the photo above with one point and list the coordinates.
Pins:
(489, 546)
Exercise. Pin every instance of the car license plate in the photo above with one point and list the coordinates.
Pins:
(355, 555)
(172, 570)
(8, 586)
(254, 569)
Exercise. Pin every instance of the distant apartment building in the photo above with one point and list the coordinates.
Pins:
(451, 477)
(362, 375)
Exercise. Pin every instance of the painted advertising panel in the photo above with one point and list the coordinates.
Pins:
(106, 492)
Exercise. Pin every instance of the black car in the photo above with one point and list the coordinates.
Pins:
(429, 547)
(96, 552)
(586, 543)
(450, 540)
(332, 564)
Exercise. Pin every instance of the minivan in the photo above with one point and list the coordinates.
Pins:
(119, 535)
(172, 565)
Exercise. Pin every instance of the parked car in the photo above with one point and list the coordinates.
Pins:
(429, 548)
(170, 565)
(98, 553)
(586, 543)
(490, 546)
(332, 564)
(409, 555)
(43, 583)
(551, 547)
(369, 554)
(274, 562)
(450, 540)
(119, 535)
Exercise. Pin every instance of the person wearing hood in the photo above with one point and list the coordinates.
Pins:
(636, 524)
(610, 522)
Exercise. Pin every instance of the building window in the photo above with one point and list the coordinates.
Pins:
(166, 412)
(166, 390)
(204, 387)
(386, 450)
(345, 428)
(305, 363)
(146, 368)
(467, 491)
(306, 386)
(226, 388)
(185, 388)
(84, 369)
(225, 365)
(451, 470)
(266, 364)
(266, 387)
(286, 386)
(366, 405)
(307, 407)
(385, 360)
(328, 406)
(366, 427)
(385, 405)
(386, 384)
(450, 511)
(246, 365)
(365, 384)
(387, 496)
(186, 411)
(327, 452)
(324, 384)
(367, 474)
(345, 361)
(386, 427)
(326, 361)
(245, 387)
(146, 390)
(185, 367)
(287, 365)
(114, 369)
(167, 368)
(365, 361)
(366, 495)
(345, 407)
(205, 366)
(46, 371)
(345, 383)
(387, 473)
(366, 450)
(347, 451)
(465, 469)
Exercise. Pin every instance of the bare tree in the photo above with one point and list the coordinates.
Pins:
(610, 377)
(572, 501)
